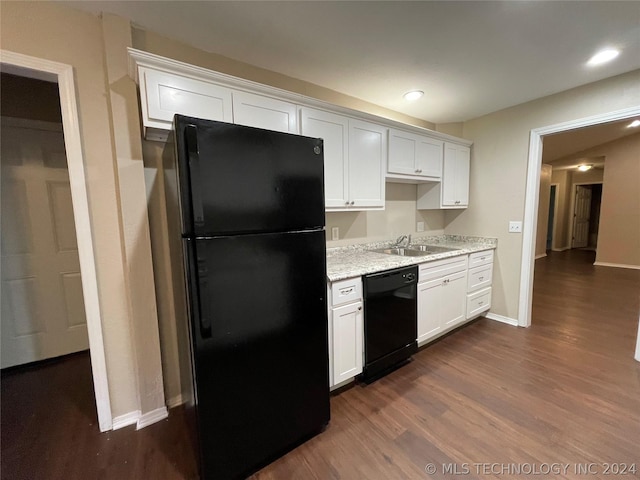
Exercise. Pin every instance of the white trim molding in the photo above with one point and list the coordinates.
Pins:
(63, 74)
(175, 401)
(152, 417)
(561, 249)
(531, 199)
(502, 319)
(542, 255)
(616, 265)
(126, 419)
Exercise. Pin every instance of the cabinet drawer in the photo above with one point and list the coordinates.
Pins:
(479, 277)
(346, 291)
(440, 268)
(478, 302)
(480, 258)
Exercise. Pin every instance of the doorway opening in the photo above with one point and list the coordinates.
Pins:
(587, 200)
(43, 326)
(62, 75)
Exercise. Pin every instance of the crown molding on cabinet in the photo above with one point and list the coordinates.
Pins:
(138, 58)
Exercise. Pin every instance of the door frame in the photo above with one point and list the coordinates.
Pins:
(572, 206)
(42, 69)
(532, 199)
(554, 225)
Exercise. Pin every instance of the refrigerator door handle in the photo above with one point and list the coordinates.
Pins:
(191, 141)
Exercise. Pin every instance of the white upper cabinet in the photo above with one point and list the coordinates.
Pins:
(367, 155)
(334, 130)
(453, 191)
(414, 158)
(264, 112)
(354, 158)
(455, 180)
(162, 95)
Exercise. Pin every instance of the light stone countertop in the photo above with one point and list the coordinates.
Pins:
(357, 260)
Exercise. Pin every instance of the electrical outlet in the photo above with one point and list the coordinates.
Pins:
(515, 227)
(420, 227)
(335, 233)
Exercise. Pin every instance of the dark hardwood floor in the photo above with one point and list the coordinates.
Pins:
(565, 391)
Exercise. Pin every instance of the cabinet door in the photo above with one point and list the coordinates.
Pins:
(403, 150)
(455, 176)
(454, 299)
(429, 308)
(429, 157)
(334, 130)
(347, 342)
(367, 158)
(165, 95)
(264, 112)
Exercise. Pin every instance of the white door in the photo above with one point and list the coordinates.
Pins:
(581, 216)
(455, 175)
(454, 295)
(429, 157)
(43, 312)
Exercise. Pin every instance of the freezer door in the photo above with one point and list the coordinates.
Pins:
(236, 179)
(259, 329)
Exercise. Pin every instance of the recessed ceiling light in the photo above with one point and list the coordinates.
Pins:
(584, 168)
(413, 95)
(603, 56)
(634, 124)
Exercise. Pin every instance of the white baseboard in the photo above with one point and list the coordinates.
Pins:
(125, 420)
(617, 265)
(541, 256)
(502, 319)
(561, 249)
(152, 417)
(175, 401)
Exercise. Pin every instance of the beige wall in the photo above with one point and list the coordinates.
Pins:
(499, 170)
(53, 32)
(399, 217)
(563, 198)
(543, 210)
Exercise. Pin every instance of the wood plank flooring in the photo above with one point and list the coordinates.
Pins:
(566, 391)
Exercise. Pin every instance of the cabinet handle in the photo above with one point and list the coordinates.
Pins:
(346, 291)
(352, 202)
(480, 303)
(482, 258)
(480, 278)
(420, 171)
(417, 171)
(359, 308)
(347, 202)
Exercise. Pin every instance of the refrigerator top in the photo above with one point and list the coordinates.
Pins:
(235, 180)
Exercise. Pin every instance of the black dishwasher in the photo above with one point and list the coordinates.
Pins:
(390, 320)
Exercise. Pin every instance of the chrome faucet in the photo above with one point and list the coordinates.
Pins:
(403, 238)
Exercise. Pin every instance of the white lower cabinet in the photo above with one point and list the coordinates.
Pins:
(346, 330)
(441, 300)
(479, 283)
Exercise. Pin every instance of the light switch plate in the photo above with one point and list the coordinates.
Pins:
(420, 227)
(335, 233)
(515, 227)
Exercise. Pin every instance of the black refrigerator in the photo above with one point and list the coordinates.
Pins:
(251, 206)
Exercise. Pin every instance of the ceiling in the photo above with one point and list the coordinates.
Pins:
(470, 58)
(560, 145)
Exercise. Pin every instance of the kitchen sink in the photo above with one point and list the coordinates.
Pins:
(415, 250)
(433, 248)
(405, 252)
